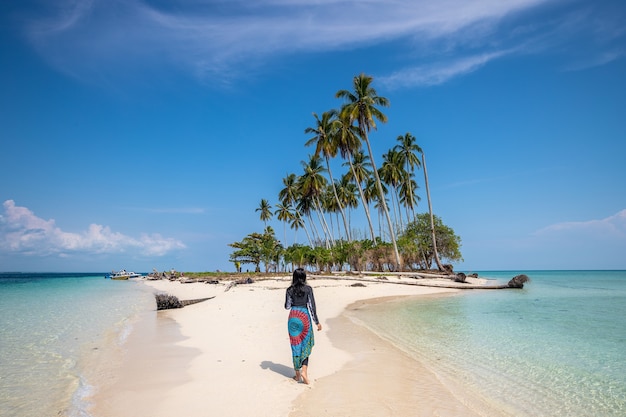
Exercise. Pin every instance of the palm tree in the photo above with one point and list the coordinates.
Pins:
(284, 213)
(409, 150)
(350, 148)
(304, 206)
(297, 222)
(372, 195)
(312, 184)
(326, 144)
(347, 191)
(331, 206)
(392, 173)
(289, 194)
(407, 197)
(266, 211)
(361, 108)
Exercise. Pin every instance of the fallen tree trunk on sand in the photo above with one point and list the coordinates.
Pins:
(237, 282)
(167, 301)
(195, 301)
(449, 282)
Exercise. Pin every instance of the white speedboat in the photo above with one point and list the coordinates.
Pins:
(121, 275)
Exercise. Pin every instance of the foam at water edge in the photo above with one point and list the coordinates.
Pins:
(80, 402)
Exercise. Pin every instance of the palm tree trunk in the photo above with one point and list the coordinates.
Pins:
(430, 209)
(327, 233)
(343, 215)
(308, 236)
(412, 203)
(409, 203)
(316, 233)
(397, 212)
(363, 200)
(408, 214)
(384, 203)
(380, 221)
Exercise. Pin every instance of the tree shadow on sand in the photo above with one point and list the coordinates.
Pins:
(279, 368)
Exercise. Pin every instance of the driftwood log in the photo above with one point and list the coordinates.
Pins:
(239, 281)
(168, 301)
(446, 281)
(195, 301)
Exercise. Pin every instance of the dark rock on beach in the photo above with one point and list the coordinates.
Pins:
(460, 277)
(518, 281)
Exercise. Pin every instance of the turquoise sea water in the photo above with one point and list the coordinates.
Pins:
(48, 324)
(555, 348)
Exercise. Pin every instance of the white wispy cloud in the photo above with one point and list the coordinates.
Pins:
(21, 231)
(438, 73)
(210, 37)
(602, 58)
(608, 228)
(224, 39)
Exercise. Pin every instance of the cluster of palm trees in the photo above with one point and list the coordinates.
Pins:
(312, 195)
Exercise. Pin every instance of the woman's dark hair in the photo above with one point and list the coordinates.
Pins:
(298, 281)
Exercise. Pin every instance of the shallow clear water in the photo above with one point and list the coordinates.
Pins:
(555, 348)
(48, 322)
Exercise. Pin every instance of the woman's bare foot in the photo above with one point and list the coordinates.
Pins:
(297, 377)
(305, 377)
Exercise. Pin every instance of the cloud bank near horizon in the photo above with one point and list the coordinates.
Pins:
(573, 245)
(22, 232)
(610, 228)
(221, 40)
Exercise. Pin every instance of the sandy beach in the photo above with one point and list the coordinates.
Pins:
(230, 356)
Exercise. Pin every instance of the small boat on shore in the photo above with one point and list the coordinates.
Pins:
(122, 275)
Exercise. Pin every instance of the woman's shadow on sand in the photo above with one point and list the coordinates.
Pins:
(279, 368)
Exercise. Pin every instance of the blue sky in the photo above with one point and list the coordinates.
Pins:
(143, 134)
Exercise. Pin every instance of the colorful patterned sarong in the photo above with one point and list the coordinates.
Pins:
(300, 335)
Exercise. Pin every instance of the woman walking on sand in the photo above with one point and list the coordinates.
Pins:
(300, 301)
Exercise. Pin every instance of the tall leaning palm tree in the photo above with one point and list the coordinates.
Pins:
(266, 211)
(325, 142)
(350, 149)
(361, 107)
(430, 209)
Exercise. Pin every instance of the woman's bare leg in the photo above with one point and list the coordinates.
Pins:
(297, 377)
(303, 372)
